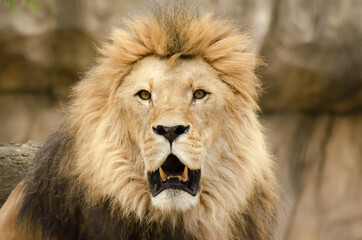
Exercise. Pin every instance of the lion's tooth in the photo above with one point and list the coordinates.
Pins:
(185, 173)
(163, 175)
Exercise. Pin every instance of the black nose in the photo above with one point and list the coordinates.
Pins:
(171, 133)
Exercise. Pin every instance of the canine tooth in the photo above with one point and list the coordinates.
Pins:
(163, 174)
(185, 173)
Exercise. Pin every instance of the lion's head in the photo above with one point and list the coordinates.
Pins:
(175, 118)
(166, 126)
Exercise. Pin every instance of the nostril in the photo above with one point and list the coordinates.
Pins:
(160, 130)
(181, 129)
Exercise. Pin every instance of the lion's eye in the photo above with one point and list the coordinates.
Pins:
(199, 94)
(144, 95)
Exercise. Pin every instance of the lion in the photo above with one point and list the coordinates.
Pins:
(161, 140)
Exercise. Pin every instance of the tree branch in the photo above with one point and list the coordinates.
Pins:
(15, 160)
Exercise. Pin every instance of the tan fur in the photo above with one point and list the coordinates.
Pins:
(9, 226)
(172, 53)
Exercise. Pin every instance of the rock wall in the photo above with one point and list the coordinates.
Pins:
(312, 98)
(314, 51)
(319, 162)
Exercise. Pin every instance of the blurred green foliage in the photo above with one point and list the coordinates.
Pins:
(32, 3)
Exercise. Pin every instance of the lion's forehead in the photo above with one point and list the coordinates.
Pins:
(159, 74)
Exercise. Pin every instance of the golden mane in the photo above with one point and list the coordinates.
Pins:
(172, 34)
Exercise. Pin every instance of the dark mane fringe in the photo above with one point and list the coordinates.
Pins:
(175, 18)
(259, 219)
(48, 192)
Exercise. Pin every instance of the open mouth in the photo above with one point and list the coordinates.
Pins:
(174, 174)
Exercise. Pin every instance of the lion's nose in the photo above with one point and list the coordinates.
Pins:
(171, 133)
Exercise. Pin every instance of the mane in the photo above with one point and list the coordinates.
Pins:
(91, 163)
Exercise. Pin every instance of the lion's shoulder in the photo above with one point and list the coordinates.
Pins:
(9, 225)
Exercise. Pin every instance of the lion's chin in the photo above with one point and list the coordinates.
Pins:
(174, 200)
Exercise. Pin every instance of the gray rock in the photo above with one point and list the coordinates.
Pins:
(15, 161)
(314, 52)
(319, 168)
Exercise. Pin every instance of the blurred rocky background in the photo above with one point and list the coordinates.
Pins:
(312, 98)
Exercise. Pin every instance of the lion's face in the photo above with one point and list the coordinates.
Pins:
(174, 114)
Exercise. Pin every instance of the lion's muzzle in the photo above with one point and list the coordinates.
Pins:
(175, 175)
(171, 133)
